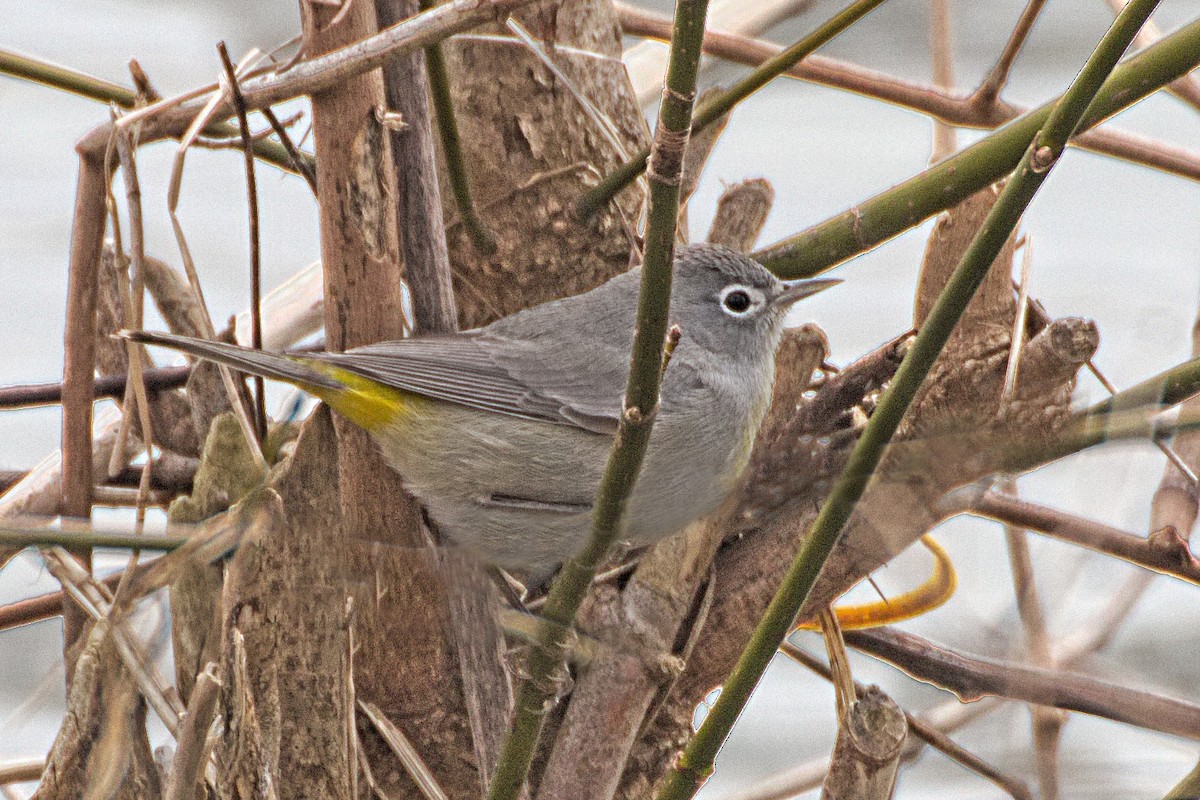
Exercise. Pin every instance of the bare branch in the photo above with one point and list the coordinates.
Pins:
(972, 677)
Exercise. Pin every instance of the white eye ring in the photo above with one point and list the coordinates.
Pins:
(740, 301)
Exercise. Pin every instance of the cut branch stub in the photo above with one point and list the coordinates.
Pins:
(867, 754)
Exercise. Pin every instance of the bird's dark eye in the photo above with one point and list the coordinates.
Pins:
(737, 301)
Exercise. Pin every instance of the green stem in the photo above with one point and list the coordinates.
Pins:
(1126, 415)
(456, 168)
(65, 79)
(1161, 391)
(73, 540)
(720, 104)
(949, 182)
(640, 405)
(1188, 787)
(80, 83)
(695, 763)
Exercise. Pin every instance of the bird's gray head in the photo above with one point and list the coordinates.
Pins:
(730, 304)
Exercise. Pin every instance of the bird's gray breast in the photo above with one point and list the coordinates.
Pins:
(699, 446)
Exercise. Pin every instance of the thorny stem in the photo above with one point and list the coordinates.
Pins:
(639, 408)
(695, 763)
(721, 104)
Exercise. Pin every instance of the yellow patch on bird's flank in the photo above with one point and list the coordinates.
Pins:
(367, 403)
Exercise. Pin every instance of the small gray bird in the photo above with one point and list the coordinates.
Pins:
(503, 431)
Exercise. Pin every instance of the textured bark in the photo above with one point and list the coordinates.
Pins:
(468, 594)
(419, 204)
(405, 660)
(183, 314)
(102, 744)
(529, 147)
(741, 213)
(79, 367)
(286, 700)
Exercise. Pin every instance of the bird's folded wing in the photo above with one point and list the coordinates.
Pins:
(495, 374)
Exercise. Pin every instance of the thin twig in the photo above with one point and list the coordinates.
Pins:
(23, 536)
(256, 337)
(22, 771)
(122, 290)
(410, 759)
(314, 75)
(192, 751)
(228, 142)
(173, 191)
(646, 62)
(302, 161)
(1039, 313)
(133, 298)
(1163, 551)
(957, 110)
(79, 345)
(130, 497)
(972, 677)
(941, 45)
(1047, 722)
(47, 394)
(294, 310)
(92, 598)
(954, 714)
(37, 609)
(69, 80)
(993, 84)
(456, 166)
(622, 176)
(949, 182)
(845, 688)
(1187, 87)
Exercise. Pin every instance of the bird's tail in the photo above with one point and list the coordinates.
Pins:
(291, 369)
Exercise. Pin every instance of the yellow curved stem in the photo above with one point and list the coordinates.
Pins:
(935, 591)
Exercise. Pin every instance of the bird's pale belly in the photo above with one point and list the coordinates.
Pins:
(519, 492)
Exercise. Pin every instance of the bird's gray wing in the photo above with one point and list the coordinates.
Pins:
(565, 362)
(487, 372)
(574, 351)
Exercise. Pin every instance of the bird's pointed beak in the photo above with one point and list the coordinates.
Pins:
(798, 290)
